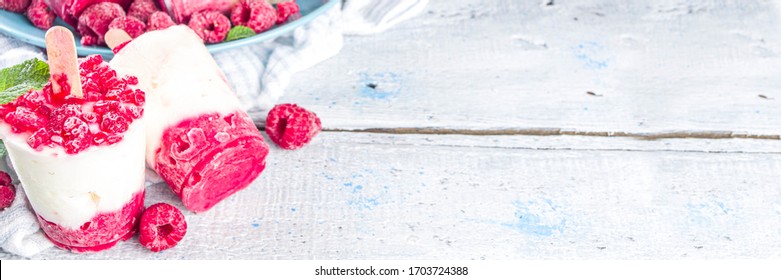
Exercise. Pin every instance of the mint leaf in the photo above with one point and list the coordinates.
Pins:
(239, 32)
(2, 149)
(18, 79)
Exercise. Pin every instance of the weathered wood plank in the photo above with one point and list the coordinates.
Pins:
(469, 64)
(370, 196)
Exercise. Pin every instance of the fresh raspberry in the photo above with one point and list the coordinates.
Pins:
(142, 9)
(5, 179)
(285, 10)
(94, 21)
(158, 21)
(291, 127)
(7, 195)
(256, 14)
(40, 15)
(211, 26)
(133, 26)
(162, 226)
(16, 6)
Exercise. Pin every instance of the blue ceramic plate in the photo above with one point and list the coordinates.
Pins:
(17, 26)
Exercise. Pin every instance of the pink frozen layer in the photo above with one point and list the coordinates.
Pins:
(100, 233)
(207, 158)
(69, 10)
(180, 10)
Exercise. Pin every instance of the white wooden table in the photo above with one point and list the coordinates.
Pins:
(469, 132)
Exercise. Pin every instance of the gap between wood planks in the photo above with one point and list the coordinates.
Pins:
(560, 132)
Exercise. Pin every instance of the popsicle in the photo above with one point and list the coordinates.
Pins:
(199, 139)
(80, 158)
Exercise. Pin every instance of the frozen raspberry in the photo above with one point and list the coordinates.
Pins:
(211, 26)
(58, 116)
(132, 112)
(130, 80)
(291, 127)
(7, 195)
(40, 137)
(285, 10)
(5, 179)
(162, 226)
(76, 135)
(103, 106)
(133, 26)
(142, 9)
(158, 21)
(114, 122)
(40, 15)
(94, 21)
(24, 119)
(256, 14)
(99, 137)
(114, 138)
(16, 6)
(139, 97)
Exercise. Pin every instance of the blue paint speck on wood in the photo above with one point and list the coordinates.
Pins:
(539, 218)
(381, 85)
(591, 53)
(709, 213)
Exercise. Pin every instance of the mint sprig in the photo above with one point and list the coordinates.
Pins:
(239, 32)
(18, 79)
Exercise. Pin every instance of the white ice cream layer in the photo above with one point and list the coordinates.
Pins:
(70, 190)
(180, 78)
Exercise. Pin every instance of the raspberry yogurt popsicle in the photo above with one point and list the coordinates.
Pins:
(199, 139)
(80, 159)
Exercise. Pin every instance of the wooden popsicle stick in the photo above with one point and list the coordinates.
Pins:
(61, 49)
(115, 37)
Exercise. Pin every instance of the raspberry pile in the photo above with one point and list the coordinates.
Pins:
(7, 191)
(92, 22)
(51, 119)
(291, 126)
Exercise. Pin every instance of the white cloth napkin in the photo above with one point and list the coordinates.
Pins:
(259, 74)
